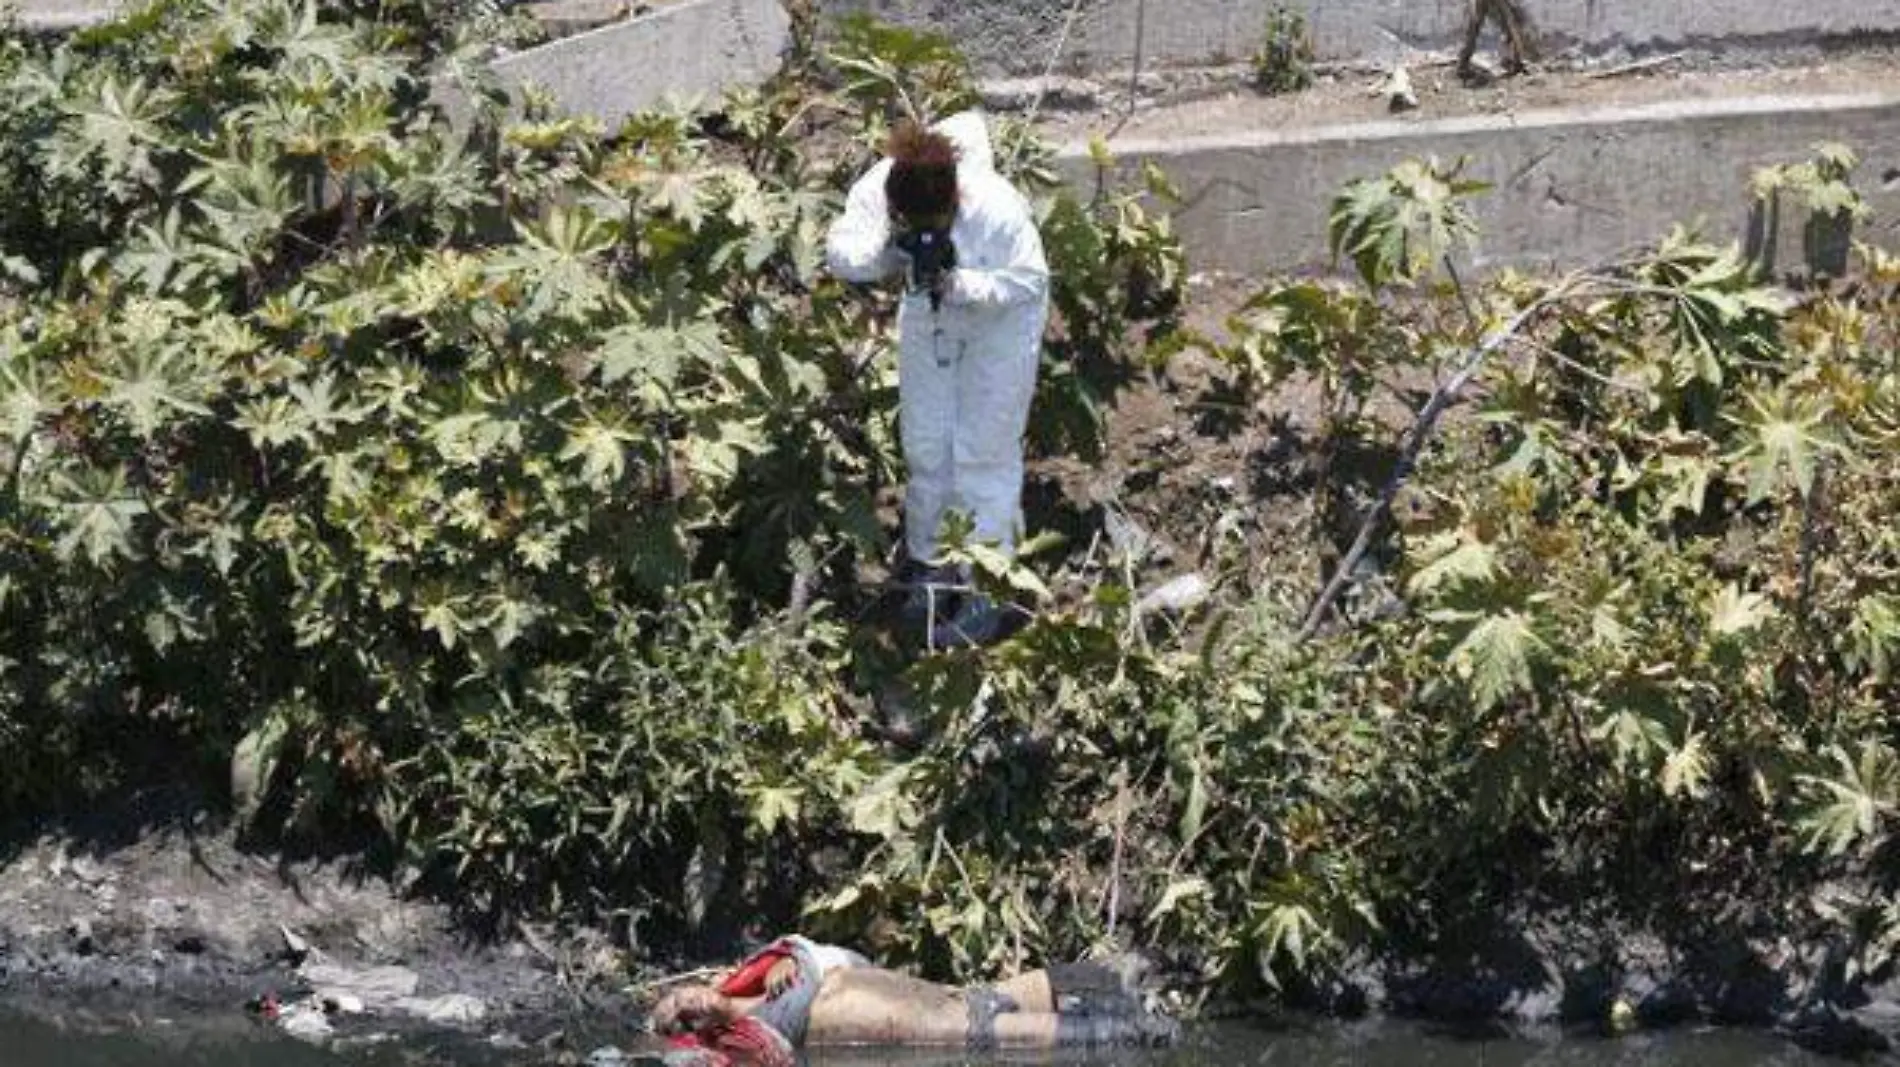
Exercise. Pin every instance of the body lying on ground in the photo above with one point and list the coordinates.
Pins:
(797, 993)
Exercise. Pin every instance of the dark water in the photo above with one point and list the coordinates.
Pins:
(211, 1040)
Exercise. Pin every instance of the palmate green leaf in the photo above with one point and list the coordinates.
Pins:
(559, 262)
(1783, 438)
(1873, 635)
(1288, 930)
(1686, 480)
(681, 195)
(512, 609)
(470, 438)
(245, 198)
(1733, 613)
(600, 444)
(1399, 226)
(653, 358)
(1178, 893)
(776, 806)
(1454, 559)
(446, 615)
(1496, 656)
(270, 422)
(319, 412)
(1717, 307)
(123, 124)
(30, 390)
(164, 258)
(717, 446)
(97, 513)
(1687, 769)
(1851, 805)
(1633, 738)
(884, 809)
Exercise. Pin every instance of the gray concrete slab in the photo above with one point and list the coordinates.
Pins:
(1569, 186)
(683, 48)
(62, 15)
(1018, 36)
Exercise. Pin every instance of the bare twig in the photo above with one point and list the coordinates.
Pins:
(1115, 861)
(1638, 66)
(969, 884)
(1055, 57)
(704, 974)
(1541, 349)
(1134, 73)
(1413, 444)
(1811, 506)
(1464, 295)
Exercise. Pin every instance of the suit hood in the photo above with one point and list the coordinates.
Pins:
(970, 132)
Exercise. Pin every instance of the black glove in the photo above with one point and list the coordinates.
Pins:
(932, 257)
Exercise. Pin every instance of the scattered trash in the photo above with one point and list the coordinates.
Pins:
(372, 985)
(305, 1022)
(296, 949)
(1181, 594)
(450, 1009)
(336, 991)
(1398, 91)
(1125, 535)
(1639, 66)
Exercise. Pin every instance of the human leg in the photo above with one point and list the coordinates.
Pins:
(926, 429)
(873, 1006)
(926, 418)
(996, 384)
(1066, 1006)
(996, 381)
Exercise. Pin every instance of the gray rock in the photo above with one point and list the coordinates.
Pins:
(372, 985)
(1181, 594)
(453, 1009)
(1054, 93)
(81, 934)
(88, 870)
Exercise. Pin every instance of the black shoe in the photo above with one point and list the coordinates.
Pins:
(978, 622)
(931, 595)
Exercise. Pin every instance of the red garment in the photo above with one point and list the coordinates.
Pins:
(745, 1042)
(749, 979)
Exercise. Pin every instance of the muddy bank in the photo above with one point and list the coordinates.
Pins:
(130, 922)
(1555, 972)
(172, 919)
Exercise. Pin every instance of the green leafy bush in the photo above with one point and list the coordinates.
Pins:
(1284, 61)
(491, 491)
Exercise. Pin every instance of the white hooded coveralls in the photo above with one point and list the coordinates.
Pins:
(966, 373)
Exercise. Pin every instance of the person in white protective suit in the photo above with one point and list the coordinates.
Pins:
(969, 339)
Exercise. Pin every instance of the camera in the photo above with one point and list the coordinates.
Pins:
(932, 257)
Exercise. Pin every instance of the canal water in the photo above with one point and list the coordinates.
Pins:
(95, 1040)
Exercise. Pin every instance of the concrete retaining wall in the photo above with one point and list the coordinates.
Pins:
(685, 48)
(1569, 187)
(1018, 36)
(62, 15)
